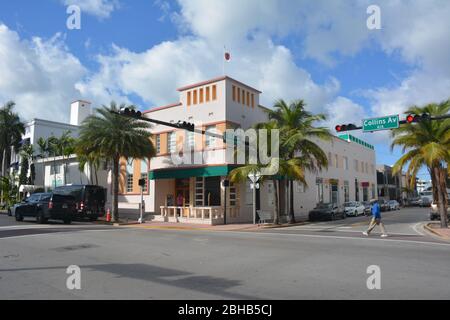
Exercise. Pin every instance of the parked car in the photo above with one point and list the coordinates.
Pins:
(367, 208)
(393, 205)
(326, 211)
(354, 208)
(434, 212)
(415, 202)
(426, 198)
(384, 205)
(45, 206)
(90, 200)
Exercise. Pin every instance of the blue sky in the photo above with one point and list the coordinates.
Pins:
(140, 51)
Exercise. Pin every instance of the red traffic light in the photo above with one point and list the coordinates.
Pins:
(338, 128)
(410, 118)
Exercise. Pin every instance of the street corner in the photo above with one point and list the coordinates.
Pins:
(434, 229)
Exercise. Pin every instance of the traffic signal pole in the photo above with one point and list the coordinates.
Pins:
(179, 125)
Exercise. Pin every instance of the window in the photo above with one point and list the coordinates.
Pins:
(130, 171)
(234, 93)
(189, 98)
(372, 169)
(330, 160)
(232, 193)
(201, 96)
(253, 100)
(239, 95)
(214, 92)
(171, 142)
(346, 191)
(212, 191)
(190, 137)
(248, 98)
(195, 97)
(210, 140)
(356, 165)
(55, 169)
(367, 167)
(243, 96)
(345, 163)
(207, 94)
(319, 192)
(144, 174)
(336, 159)
(158, 144)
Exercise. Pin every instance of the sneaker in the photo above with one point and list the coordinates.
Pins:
(384, 235)
(365, 233)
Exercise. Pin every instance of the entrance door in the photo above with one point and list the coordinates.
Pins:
(182, 196)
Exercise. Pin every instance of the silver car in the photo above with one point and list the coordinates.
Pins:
(393, 205)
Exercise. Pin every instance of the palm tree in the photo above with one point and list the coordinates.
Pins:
(11, 131)
(426, 144)
(241, 173)
(112, 137)
(297, 141)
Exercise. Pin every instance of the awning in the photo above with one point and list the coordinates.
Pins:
(180, 173)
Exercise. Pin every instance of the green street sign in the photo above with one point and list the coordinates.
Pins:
(382, 123)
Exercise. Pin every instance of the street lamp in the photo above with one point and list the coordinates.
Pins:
(254, 178)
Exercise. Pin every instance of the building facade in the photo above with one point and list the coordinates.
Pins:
(194, 192)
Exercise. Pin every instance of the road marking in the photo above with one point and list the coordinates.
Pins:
(345, 238)
(414, 227)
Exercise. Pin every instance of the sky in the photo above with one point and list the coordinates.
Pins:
(140, 51)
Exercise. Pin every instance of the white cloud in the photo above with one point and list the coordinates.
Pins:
(39, 75)
(155, 74)
(99, 8)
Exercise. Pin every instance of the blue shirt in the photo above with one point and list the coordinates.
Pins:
(376, 212)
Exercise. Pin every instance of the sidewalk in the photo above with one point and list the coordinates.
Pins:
(192, 226)
(435, 228)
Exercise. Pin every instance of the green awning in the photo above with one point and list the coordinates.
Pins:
(209, 171)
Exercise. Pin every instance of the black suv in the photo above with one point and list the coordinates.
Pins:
(89, 200)
(45, 206)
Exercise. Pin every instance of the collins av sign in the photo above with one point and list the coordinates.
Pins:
(382, 123)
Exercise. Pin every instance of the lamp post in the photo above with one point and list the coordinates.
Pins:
(142, 183)
(254, 178)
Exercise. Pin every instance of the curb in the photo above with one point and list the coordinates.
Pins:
(429, 229)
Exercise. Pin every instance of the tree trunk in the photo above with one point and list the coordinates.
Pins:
(115, 212)
(441, 198)
(291, 202)
(276, 215)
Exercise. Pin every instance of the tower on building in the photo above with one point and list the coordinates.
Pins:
(79, 111)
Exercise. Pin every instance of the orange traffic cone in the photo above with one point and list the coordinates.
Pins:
(108, 215)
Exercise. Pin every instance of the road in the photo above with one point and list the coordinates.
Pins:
(326, 260)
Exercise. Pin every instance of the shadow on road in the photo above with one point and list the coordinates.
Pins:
(165, 276)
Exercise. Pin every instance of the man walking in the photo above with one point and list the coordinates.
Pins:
(376, 220)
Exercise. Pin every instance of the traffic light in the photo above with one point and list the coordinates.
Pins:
(346, 127)
(418, 118)
(186, 125)
(130, 112)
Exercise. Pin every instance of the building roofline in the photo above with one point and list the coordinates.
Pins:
(80, 100)
(198, 84)
(163, 107)
(50, 122)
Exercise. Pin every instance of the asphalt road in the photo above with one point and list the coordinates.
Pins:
(316, 261)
